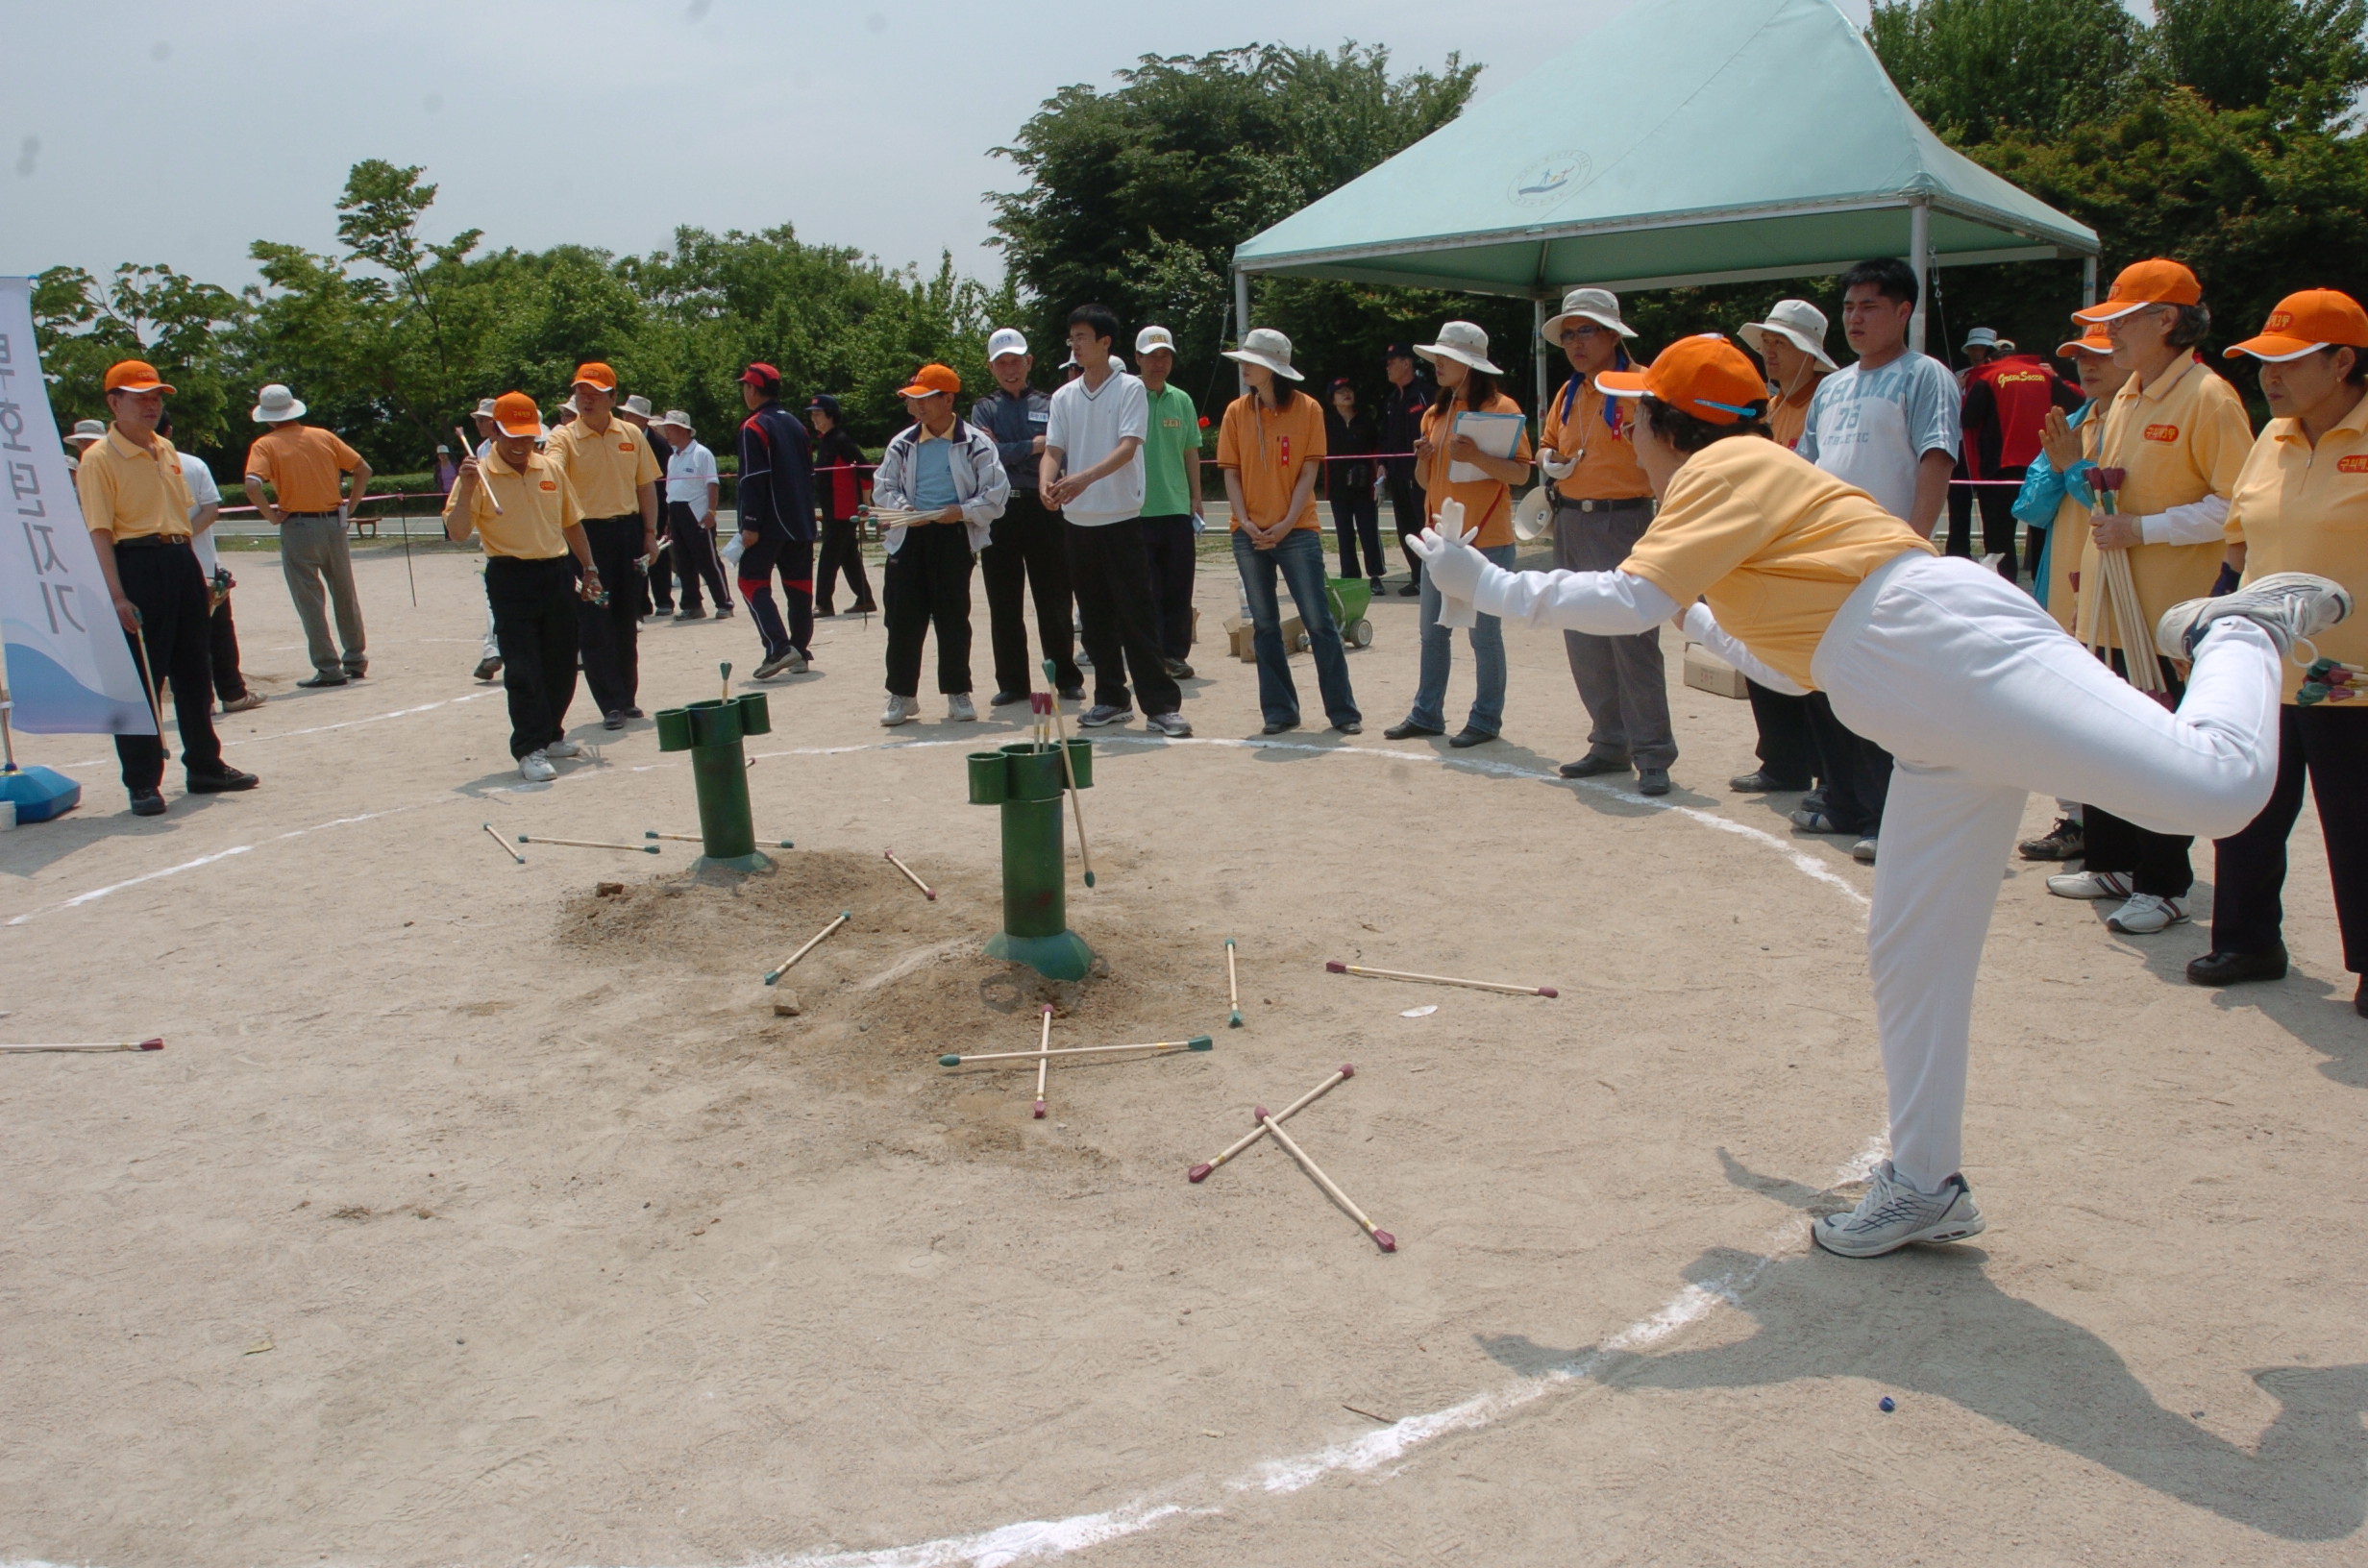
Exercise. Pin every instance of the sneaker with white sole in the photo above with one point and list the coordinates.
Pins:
(900, 710)
(2090, 885)
(1104, 713)
(2292, 606)
(959, 708)
(1174, 726)
(535, 769)
(1863, 851)
(2146, 914)
(564, 748)
(1895, 1213)
(791, 663)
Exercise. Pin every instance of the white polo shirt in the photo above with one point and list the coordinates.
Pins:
(203, 493)
(1088, 427)
(688, 473)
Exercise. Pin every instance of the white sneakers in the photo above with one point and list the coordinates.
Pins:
(2090, 885)
(2292, 606)
(2141, 914)
(958, 709)
(564, 748)
(1894, 1213)
(1174, 726)
(900, 710)
(535, 769)
(2146, 914)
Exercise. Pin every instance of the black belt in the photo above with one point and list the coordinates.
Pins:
(152, 541)
(1625, 503)
(309, 514)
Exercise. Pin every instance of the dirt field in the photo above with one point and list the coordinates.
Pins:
(309, 1286)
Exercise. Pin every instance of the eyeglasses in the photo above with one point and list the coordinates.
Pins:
(1580, 334)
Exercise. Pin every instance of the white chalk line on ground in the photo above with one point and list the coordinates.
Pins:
(316, 729)
(1806, 863)
(1017, 1542)
(1027, 1540)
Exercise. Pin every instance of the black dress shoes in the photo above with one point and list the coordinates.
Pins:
(1465, 739)
(2232, 968)
(1409, 729)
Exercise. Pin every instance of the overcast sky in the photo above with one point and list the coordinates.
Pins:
(143, 130)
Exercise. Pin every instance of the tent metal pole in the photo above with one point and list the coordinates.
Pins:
(1537, 356)
(1241, 318)
(1920, 259)
(2088, 281)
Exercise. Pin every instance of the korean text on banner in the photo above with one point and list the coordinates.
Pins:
(70, 670)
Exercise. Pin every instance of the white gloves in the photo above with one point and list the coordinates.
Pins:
(1455, 568)
(1554, 464)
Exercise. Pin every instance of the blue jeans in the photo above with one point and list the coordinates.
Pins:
(1488, 655)
(1300, 558)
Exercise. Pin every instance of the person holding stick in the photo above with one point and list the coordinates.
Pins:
(136, 505)
(539, 567)
(1466, 385)
(2300, 504)
(614, 477)
(945, 475)
(1271, 449)
(1027, 558)
(2179, 434)
(1806, 582)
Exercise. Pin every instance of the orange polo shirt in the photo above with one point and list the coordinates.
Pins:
(607, 470)
(538, 506)
(2305, 508)
(132, 492)
(1788, 417)
(303, 462)
(1268, 448)
(1488, 503)
(1607, 467)
(2181, 439)
(1771, 540)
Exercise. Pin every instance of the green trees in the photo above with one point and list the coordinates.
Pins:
(1974, 69)
(1136, 197)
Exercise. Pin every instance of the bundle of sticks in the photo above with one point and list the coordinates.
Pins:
(2130, 627)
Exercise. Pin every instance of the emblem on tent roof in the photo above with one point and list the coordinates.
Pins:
(1544, 180)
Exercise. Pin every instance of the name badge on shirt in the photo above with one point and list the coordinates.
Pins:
(1039, 417)
(625, 445)
(2161, 432)
(2352, 465)
(551, 484)
(1284, 442)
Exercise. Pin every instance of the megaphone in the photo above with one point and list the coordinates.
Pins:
(1533, 514)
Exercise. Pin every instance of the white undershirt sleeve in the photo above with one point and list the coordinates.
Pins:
(2197, 523)
(1601, 603)
(1703, 627)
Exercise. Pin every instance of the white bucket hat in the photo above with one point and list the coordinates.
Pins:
(1466, 342)
(1981, 338)
(1264, 346)
(1599, 305)
(1798, 322)
(637, 405)
(676, 417)
(1005, 340)
(484, 408)
(276, 405)
(86, 431)
(1153, 337)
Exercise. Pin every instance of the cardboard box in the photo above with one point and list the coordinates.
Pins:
(1238, 634)
(1706, 670)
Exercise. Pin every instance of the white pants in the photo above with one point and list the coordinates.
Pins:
(1982, 698)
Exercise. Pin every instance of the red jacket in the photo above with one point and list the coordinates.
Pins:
(2005, 404)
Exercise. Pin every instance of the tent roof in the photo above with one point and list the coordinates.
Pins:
(1686, 142)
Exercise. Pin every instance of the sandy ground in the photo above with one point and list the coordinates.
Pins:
(309, 1286)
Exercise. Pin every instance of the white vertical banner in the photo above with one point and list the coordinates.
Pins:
(70, 670)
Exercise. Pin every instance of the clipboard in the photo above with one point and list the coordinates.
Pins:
(1500, 435)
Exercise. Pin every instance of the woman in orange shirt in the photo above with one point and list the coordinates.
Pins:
(1466, 385)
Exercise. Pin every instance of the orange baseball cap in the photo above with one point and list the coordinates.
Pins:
(1704, 376)
(931, 379)
(515, 416)
(2158, 281)
(135, 375)
(592, 373)
(2306, 323)
(2095, 340)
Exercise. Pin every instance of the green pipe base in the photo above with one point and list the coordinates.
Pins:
(756, 860)
(1065, 957)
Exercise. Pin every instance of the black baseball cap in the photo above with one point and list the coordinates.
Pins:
(1397, 351)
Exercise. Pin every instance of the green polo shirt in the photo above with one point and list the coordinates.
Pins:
(1175, 429)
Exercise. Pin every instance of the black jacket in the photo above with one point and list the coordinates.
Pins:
(1401, 424)
(776, 474)
(1013, 424)
(1349, 438)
